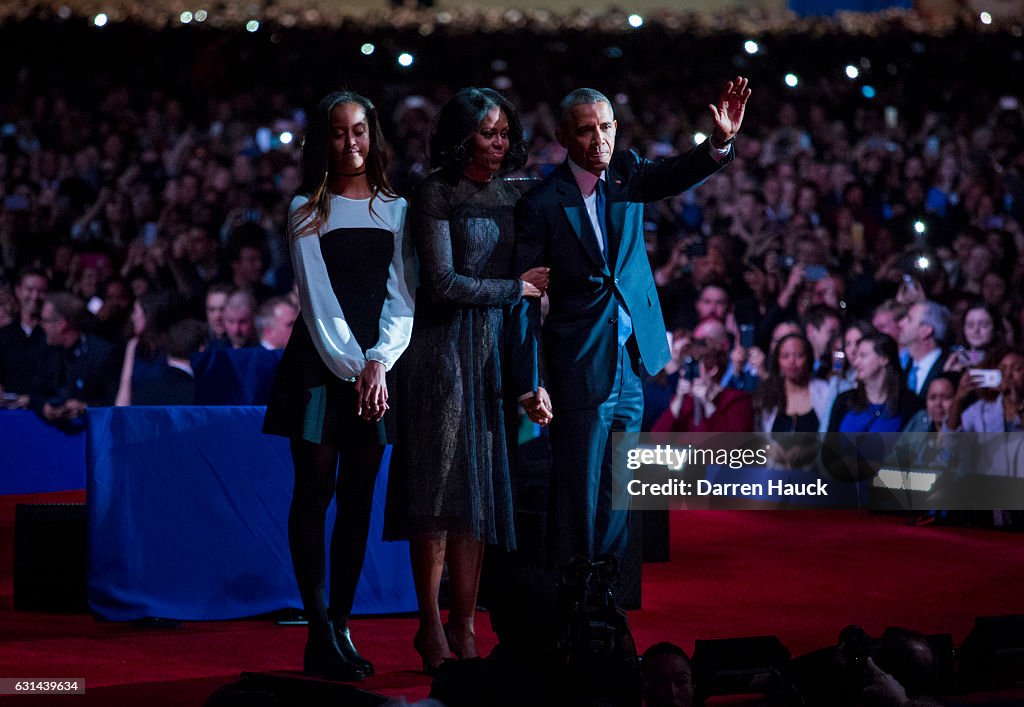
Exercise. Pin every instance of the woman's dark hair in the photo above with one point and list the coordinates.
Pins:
(865, 328)
(771, 393)
(998, 329)
(316, 161)
(161, 310)
(451, 142)
(130, 228)
(884, 346)
(951, 377)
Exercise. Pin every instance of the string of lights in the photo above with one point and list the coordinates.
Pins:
(260, 17)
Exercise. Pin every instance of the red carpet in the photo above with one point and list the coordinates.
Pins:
(799, 575)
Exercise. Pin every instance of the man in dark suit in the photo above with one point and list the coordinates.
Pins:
(78, 369)
(922, 331)
(23, 342)
(604, 326)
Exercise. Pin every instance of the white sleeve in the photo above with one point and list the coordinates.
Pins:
(330, 332)
(396, 315)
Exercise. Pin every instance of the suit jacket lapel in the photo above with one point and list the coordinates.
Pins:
(576, 212)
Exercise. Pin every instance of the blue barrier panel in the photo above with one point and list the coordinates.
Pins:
(38, 458)
(188, 519)
(235, 376)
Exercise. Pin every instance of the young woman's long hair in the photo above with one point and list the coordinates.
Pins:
(884, 346)
(161, 310)
(771, 394)
(316, 162)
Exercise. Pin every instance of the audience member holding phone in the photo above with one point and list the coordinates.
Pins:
(983, 332)
(701, 404)
(996, 415)
(990, 399)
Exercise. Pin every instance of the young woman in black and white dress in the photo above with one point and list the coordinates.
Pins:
(330, 395)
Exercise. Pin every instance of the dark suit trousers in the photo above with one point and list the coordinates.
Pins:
(590, 507)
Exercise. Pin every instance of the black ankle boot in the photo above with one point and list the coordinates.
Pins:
(348, 649)
(324, 658)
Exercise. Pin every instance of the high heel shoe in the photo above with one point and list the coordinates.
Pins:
(348, 649)
(429, 667)
(323, 658)
(459, 650)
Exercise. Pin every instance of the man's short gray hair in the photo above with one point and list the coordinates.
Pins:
(241, 300)
(265, 316)
(580, 97)
(937, 317)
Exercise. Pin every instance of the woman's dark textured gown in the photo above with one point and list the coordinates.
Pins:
(451, 469)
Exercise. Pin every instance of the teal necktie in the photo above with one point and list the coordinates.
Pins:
(602, 220)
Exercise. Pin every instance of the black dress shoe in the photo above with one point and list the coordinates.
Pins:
(323, 658)
(348, 649)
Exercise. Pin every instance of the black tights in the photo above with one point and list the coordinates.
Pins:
(317, 479)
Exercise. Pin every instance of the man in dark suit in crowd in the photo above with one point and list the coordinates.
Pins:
(605, 325)
(175, 382)
(78, 369)
(23, 342)
(822, 324)
(922, 331)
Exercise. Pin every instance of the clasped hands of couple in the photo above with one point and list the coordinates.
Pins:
(372, 388)
(538, 407)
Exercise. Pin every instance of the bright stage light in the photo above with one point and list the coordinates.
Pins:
(791, 80)
(367, 49)
(405, 59)
(636, 21)
(750, 47)
(99, 20)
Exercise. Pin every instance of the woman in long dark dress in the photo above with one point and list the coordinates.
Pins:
(330, 393)
(451, 491)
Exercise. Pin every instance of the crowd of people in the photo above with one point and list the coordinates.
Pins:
(857, 267)
(838, 208)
